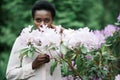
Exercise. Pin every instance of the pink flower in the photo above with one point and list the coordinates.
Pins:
(118, 18)
(109, 30)
(100, 36)
(88, 57)
(117, 77)
(68, 78)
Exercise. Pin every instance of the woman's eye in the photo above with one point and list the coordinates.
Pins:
(38, 20)
(47, 20)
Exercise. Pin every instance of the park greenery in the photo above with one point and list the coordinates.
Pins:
(16, 14)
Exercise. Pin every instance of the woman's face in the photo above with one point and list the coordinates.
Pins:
(42, 17)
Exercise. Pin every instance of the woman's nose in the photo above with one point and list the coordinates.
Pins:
(42, 23)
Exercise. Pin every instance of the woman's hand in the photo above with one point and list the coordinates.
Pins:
(40, 60)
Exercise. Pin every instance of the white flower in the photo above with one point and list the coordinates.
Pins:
(26, 30)
(47, 36)
(26, 36)
(81, 37)
(50, 36)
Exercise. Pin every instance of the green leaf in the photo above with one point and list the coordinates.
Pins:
(73, 57)
(64, 68)
(53, 66)
(63, 49)
(51, 47)
(83, 49)
(23, 52)
(78, 63)
(31, 52)
(117, 24)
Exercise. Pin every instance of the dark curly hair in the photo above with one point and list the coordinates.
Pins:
(43, 5)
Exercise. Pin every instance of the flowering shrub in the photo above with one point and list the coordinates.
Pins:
(94, 62)
(84, 54)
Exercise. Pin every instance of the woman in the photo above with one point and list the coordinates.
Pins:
(37, 67)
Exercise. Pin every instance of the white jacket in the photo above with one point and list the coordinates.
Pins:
(15, 72)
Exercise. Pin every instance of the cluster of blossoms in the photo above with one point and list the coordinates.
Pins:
(73, 38)
(82, 37)
(106, 32)
(43, 37)
(46, 36)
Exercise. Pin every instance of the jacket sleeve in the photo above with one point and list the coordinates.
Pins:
(14, 71)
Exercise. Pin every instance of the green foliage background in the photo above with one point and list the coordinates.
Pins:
(16, 14)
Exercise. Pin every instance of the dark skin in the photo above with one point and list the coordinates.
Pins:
(40, 60)
(42, 17)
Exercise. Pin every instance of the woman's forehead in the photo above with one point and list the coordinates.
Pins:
(42, 13)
